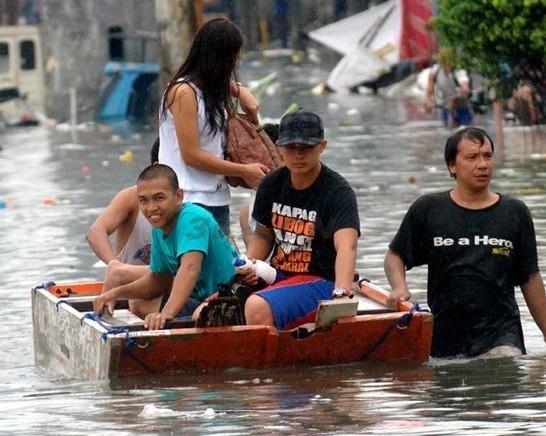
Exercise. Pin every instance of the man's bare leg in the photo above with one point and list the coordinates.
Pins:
(501, 351)
(118, 273)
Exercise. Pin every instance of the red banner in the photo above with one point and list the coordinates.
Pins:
(417, 41)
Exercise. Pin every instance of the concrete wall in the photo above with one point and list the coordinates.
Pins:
(75, 41)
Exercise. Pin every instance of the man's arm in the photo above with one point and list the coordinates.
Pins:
(183, 285)
(535, 297)
(247, 101)
(120, 210)
(260, 243)
(148, 286)
(345, 243)
(395, 270)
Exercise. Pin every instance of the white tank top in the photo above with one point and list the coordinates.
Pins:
(198, 186)
(137, 248)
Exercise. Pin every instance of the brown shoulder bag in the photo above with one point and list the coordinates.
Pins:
(249, 143)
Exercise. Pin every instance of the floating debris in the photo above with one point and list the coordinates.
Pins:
(50, 201)
(151, 411)
(126, 156)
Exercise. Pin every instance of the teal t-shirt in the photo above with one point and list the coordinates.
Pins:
(195, 230)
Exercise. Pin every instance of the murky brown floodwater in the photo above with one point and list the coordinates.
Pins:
(377, 144)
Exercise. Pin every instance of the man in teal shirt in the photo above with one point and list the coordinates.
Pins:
(190, 253)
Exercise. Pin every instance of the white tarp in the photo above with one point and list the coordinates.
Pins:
(369, 41)
(380, 24)
(354, 68)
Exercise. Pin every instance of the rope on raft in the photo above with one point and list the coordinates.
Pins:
(401, 323)
(110, 330)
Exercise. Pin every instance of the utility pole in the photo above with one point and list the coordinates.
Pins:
(177, 24)
(247, 12)
(296, 23)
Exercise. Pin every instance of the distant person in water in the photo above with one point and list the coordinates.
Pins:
(448, 90)
(190, 254)
(478, 245)
(120, 237)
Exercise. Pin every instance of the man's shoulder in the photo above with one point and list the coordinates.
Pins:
(334, 180)
(123, 207)
(276, 175)
(190, 212)
(431, 200)
(508, 200)
(127, 196)
(513, 203)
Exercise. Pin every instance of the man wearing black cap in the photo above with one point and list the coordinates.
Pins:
(308, 220)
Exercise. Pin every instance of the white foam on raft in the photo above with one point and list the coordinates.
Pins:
(150, 411)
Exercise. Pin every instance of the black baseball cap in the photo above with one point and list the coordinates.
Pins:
(300, 127)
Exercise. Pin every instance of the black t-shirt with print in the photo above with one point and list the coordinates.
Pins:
(304, 221)
(474, 258)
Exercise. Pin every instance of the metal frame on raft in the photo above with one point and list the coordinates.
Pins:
(70, 340)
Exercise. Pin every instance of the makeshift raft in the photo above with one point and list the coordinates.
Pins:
(70, 340)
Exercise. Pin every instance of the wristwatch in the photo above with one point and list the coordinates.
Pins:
(341, 292)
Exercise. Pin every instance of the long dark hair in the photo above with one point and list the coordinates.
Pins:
(211, 65)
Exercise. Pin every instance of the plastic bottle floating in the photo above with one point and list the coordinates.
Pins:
(52, 201)
(126, 156)
(262, 269)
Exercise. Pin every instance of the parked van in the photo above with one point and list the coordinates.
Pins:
(22, 90)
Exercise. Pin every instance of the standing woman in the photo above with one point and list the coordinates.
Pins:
(193, 119)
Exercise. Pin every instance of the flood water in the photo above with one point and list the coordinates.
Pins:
(391, 153)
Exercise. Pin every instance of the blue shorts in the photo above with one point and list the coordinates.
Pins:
(294, 301)
(220, 214)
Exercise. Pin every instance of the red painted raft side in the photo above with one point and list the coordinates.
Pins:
(348, 340)
(201, 349)
(353, 338)
(75, 289)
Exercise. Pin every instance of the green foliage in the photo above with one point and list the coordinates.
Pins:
(504, 40)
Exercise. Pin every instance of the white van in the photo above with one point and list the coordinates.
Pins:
(22, 87)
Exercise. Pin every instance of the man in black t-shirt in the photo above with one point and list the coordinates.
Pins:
(308, 220)
(478, 245)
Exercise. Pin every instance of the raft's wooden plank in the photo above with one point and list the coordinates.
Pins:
(329, 311)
